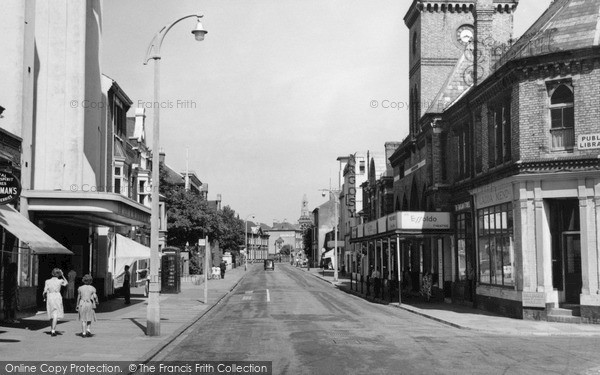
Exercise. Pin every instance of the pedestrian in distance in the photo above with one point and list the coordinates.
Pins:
(53, 298)
(376, 276)
(11, 293)
(87, 301)
(126, 290)
(223, 267)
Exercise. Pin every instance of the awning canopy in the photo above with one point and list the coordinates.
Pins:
(35, 238)
(327, 254)
(126, 252)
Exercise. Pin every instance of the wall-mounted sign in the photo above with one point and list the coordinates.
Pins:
(462, 206)
(415, 167)
(351, 186)
(534, 299)
(492, 195)
(10, 188)
(588, 141)
(371, 228)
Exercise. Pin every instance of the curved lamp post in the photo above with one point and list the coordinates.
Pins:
(153, 53)
(246, 239)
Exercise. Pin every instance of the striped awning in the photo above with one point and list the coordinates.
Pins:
(36, 239)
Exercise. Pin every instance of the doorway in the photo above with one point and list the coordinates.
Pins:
(566, 249)
(572, 266)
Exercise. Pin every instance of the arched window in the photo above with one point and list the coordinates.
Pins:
(562, 116)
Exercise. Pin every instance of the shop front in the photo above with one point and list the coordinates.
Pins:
(27, 246)
(88, 224)
(537, 246)
(408, 246)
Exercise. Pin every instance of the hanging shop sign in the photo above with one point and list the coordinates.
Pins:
(10, 188)
(351, 186)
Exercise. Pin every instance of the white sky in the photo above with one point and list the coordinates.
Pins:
(274, 94)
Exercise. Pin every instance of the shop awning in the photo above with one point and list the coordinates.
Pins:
(126, 252)
(35, 238)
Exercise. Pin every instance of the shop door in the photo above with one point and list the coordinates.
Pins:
(572, 261)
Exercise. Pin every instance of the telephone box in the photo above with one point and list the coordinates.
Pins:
(170, 270)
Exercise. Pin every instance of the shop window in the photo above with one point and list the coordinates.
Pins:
(562, 117)
(464, 243)
(496, 250)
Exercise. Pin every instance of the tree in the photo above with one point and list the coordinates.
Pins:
(286, 249)
(189, 216)
(230, 231)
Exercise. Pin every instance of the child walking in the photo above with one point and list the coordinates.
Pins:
(87, 300)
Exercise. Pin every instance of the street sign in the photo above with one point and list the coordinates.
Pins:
(332, 244)
(10, 188)
(202, 242)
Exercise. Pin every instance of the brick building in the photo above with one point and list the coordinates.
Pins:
(504, 139)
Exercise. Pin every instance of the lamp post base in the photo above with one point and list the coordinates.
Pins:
(153, 314)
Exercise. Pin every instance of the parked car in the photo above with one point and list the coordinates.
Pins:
(269, 264)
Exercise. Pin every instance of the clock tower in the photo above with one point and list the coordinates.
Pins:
(442, 35)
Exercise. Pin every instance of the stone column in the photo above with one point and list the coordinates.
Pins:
(588, 250)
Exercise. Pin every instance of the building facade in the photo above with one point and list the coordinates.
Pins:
(500, 168)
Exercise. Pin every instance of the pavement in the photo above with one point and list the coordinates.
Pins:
(119, 333)
(468, 318)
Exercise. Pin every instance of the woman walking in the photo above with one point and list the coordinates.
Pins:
(54, 303)
(87, 300)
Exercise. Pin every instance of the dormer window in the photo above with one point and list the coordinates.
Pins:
(562, 117)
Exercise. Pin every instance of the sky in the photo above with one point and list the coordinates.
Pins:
(277, 91)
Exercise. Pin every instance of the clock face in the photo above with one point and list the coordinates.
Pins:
(465, 34)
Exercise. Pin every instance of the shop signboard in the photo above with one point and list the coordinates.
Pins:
(10, 188)
(418, 220)
(360, 230)
(371, 228)
(492, 195)
(424, 220)
(382, 225)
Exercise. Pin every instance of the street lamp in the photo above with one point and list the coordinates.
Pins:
(336, 196)
(153, 53)
(246, 238)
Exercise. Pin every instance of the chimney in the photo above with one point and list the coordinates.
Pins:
(484, 40)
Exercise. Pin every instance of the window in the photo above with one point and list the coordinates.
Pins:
(464, 152)
(496, 253)
(443, 154)
(464, 243)
(499, 133)
(361, 167)
(120, 181)
(562, 117)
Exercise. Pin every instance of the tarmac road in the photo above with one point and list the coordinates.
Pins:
(306, 326)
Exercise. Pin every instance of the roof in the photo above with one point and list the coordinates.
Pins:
(172, 176)
(566, 25)
(457, 83)
(285, 226)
